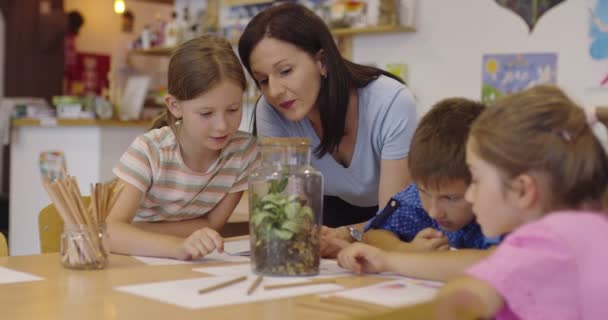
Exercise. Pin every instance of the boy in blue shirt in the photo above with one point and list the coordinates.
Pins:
(430, 214)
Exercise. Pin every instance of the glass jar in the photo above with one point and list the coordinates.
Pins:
(285, 209)
(84, 247)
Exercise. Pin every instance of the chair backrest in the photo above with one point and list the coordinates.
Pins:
(3, 246)
(50, 227)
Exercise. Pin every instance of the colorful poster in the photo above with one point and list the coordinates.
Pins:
(529, 10)
(503, 74)
(598, 46)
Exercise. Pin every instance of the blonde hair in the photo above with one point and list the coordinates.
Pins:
(197, 66)
(542, 130)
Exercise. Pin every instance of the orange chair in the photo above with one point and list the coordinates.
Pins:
(50, 227)
(3, 246)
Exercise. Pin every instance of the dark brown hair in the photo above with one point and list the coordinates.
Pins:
(197, 66)
(437, 152)
(542, 130)
(295, 24)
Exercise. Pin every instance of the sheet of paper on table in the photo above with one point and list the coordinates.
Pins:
(12, 276)
(327, 268)
(212, 257)
(394, 293)
(184, 293)
(238, 247)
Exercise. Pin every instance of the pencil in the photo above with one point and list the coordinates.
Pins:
(255, 285)
(222, 285)
(297, 284)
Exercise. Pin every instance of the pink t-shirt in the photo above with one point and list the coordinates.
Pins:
(553, 268)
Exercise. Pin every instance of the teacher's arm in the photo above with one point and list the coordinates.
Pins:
(394, 177)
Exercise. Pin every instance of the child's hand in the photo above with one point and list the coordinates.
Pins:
(200, 243)
(333, 240)
(430, 239)
(360, 258)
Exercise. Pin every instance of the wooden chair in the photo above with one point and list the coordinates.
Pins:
(3, 246)
(50, 227)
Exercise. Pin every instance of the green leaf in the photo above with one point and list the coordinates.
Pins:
(306, 211)
(291, 210)
(283, 184)
(291, 226)
(283, 234)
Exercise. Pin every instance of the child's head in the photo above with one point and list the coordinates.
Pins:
(530, 153)
(437, 161)
(205, 92)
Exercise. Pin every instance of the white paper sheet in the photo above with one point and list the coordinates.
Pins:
(184, 293)
(212, 257)
(327, 268)
(238, 248)
(12, 276)
(395, 293)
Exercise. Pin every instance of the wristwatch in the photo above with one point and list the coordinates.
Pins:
(355, 233)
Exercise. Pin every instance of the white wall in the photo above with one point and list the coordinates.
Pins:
(444, 55)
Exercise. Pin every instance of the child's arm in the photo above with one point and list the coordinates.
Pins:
(438, 265)
(214, 219)
(470, 295)
(129, 238)
(426, 240)
(126, 238)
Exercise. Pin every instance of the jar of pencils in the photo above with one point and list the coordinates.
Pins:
(285, 209)
(84, 247)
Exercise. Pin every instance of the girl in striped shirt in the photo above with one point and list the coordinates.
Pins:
(183, 179)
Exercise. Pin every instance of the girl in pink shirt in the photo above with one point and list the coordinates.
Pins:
(532, 154)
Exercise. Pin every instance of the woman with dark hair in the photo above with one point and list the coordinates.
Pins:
(359, 119)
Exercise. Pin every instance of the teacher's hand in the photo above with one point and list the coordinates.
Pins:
(333, 240)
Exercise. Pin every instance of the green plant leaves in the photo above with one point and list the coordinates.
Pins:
(279, 216)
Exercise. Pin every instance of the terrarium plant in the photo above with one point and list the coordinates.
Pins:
(284, 232)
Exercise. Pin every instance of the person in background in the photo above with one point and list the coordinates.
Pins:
(75, 21)
(360, 119)
(538, 175)
(183, 179)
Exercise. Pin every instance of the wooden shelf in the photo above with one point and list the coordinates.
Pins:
(339, 33)
(157, 1)
(58, 122)
(370, 30)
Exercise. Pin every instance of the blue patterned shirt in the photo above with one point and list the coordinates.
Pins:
(405, 217)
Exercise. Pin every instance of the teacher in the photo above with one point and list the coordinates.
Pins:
(359, 119)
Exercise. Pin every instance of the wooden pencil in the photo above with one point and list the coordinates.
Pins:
(222, 285)
(255, 285)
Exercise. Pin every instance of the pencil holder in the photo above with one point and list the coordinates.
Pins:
(84, 247)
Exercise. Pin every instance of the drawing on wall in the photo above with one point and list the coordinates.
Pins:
(503, 74)
(529, 10)
(598, 46)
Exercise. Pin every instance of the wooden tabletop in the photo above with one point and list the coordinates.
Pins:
(73, 294)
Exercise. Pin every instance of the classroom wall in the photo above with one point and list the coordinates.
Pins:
(444, 55)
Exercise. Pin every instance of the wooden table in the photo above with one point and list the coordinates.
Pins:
(73, 294)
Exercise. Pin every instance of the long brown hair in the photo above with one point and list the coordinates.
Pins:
(197, 66)
(542, 130)
(295, 24)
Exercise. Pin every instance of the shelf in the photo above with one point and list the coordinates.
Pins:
(55, 122)
(340, 33)
(370, 30)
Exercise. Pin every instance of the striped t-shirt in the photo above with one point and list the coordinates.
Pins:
(173, 192)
